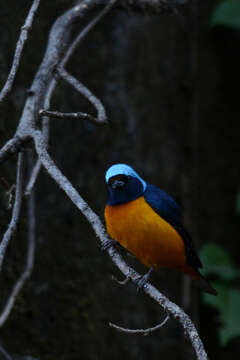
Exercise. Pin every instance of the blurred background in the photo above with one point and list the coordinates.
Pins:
(170, 85)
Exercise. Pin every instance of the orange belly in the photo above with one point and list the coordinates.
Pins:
(137, 227)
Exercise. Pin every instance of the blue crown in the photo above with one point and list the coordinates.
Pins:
(123, 169)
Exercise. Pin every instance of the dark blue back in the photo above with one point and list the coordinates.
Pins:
(169, 210)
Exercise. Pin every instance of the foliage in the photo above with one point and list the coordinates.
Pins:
(219, 263)
(227, 13)
(238, 204)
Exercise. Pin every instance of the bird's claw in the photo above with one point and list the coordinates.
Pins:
(107, 244)
(141, 282)
(121, 282)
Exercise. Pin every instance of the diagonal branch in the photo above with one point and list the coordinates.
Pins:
(29, 261)
(19, 49)
(16, 210)
(5, 353)
(171, 308)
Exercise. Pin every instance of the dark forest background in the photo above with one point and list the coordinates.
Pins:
(170, 85)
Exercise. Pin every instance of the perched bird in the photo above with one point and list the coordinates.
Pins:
(147, 221)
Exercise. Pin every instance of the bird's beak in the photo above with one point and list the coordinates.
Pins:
(117, 184)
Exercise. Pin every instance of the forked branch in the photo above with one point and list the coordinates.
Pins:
(19, 49)
(102, 118)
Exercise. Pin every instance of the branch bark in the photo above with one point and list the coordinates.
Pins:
(77, 115)
(144, 332)
(102, 118)
(16, 210)
(19, 49)
(29, 260)
(5, 353)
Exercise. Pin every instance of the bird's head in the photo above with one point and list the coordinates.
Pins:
(124, 184)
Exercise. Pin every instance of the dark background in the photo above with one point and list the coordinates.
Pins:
(170, 85)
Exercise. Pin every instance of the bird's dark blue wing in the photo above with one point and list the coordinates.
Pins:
(169, 210)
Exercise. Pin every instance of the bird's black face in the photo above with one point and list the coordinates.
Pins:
(123, 188)
(119, 181)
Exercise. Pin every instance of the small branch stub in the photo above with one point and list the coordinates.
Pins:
(77, 115)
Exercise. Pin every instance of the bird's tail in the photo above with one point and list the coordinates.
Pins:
(200, 281)
(205, 285)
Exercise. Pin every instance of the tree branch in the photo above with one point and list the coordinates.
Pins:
(102, 118)
(11, 147)
(61, 115)
(16, 210)
(52, 86)
(144, 332)
(19, 49)
(45, 130)
(5, 353)
(84, 32)
(29, 261)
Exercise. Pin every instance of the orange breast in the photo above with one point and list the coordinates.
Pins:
(137, 227)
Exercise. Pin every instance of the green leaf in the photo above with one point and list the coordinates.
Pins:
(218, 262)
(228, 304)
(227, 13)
(238, 204)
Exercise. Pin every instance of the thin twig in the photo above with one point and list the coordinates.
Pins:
(10, 194)
(29, 261)
(19, 48)
(144, 332)
(84, 32)
(5, 183)
(10, 191)
(61, 115)
(16, 210)
(102, 118)
(12, 146)
(85, 92)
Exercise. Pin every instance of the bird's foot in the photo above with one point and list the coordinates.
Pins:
(107, 244)
(143, 279)
(121, 282)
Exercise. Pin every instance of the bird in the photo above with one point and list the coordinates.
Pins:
(147, 222)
